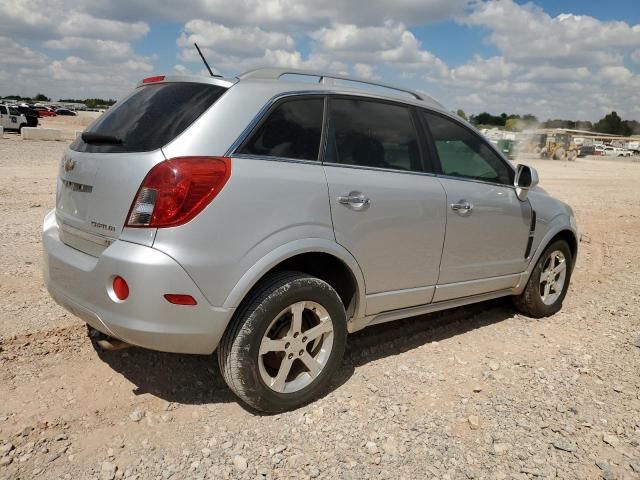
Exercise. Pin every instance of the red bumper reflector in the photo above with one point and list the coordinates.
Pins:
(179, 299)
(120, 288)
(157, 78)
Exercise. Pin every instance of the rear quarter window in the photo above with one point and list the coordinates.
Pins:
(292, 130)
(151, 117)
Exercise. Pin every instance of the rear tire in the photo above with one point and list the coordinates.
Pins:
(548, 283)
(284, 343)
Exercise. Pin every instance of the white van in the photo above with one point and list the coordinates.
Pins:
(12, 119)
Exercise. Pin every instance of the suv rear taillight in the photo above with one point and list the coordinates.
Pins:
(176, 190)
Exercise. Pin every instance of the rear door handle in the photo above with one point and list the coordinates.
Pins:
(462, 207)
(355, 200)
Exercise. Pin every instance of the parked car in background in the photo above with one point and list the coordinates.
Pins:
(31, 114)
(599, 150)
(65, 111)
(624, 152)
(45, 112)
(11, 119)
(612, 151)
(266, 218)
(586, 150)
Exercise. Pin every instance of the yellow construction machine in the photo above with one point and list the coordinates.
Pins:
(557, 146)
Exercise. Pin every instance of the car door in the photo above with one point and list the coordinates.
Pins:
(386, 210)
(4, 117)
(487, 225)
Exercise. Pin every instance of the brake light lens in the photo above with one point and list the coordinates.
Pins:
(176, 190)
(157, 78)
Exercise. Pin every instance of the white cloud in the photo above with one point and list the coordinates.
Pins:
(617, 75)
(14, 55)
(47, 19)
(410, 56)
(337, 48)
(233, 41)
(84, 25)
(351, 38)
(567, 66)
(97, 48)
(26, 72)
(549, 73)
(391, 45)
(483, 69)
(20, 18)
(364, 70)
(284, 13)
(635, 56)
(94, 54)
(527, 33)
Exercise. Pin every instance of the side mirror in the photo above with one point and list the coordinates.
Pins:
(526, 179)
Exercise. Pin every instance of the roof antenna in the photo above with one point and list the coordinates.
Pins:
(205, 62)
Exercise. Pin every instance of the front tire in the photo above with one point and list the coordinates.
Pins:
(284, 343)
(548, 283)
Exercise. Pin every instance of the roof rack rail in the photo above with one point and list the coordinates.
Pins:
(276, 73)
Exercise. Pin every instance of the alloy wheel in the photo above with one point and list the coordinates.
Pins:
(553, 277)
(295, 347)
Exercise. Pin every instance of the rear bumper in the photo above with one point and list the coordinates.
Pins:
(80, 283)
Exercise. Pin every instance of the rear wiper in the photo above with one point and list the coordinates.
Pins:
(90, 137)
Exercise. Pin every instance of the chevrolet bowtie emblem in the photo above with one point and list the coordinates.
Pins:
(69, 165)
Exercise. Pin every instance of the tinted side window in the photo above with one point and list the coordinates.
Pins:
(3, 110)
(464, 153)
(292, 130)
(373, 134)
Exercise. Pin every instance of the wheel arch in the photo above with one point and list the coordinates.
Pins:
(570, 237)
(318, 257)
(561, 231)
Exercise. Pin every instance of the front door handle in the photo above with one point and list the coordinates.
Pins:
(462, 207)
(355, 200)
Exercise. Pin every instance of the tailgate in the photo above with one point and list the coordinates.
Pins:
(95, 191)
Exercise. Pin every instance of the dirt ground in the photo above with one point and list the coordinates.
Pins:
(478, 392)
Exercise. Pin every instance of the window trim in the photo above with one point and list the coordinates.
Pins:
(434, 149)
(415, 122)
(263, 116)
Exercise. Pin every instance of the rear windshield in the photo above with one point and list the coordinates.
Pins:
(150, 117)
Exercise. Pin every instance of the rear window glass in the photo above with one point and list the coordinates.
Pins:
(150, 117)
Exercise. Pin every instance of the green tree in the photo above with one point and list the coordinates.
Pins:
(611, 123)
(584, 125)
(513, 125)
(485, 118)
(41, 97)
(461, 114)
(632, 126)
(559, 123)
(15, 97)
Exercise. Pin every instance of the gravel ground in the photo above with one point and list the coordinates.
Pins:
(478, 392)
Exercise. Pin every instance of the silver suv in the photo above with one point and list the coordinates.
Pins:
(267, 216)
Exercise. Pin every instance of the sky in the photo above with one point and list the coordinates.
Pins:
(571, 59)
